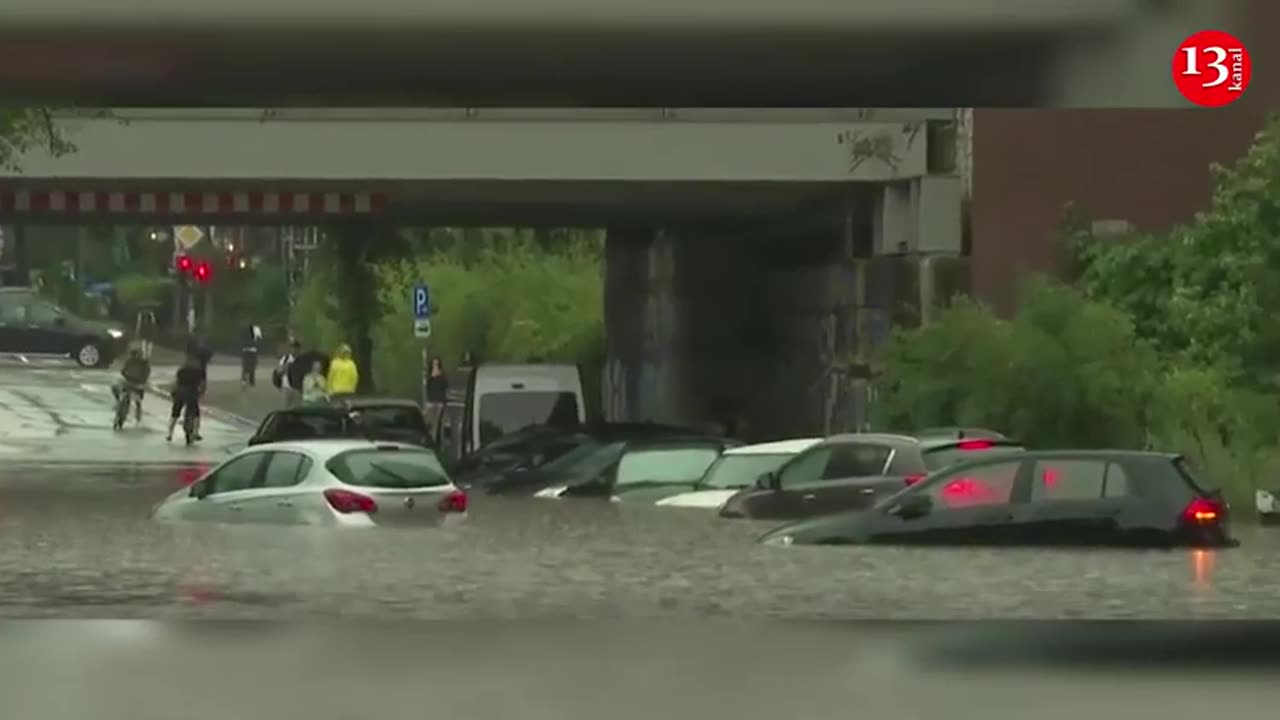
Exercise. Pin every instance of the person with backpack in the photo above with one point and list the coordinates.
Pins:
(283, 378)
(249, 355)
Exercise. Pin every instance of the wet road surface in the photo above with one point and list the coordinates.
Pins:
(75, 540)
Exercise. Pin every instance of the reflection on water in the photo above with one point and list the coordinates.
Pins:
(76, 543)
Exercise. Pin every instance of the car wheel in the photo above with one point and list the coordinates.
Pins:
(89, 356)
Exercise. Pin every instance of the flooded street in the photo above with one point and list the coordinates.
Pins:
(76, 542)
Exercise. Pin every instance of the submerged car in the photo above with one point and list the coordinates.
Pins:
(1061, 497)
(738, 468)
(646, 471)
(851, 472)
(531, 448)
(340, 483)
(386, 419)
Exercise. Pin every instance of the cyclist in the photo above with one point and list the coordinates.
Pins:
(133, 379)
(188, 388)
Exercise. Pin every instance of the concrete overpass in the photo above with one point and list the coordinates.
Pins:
(488, 166)
(742, 244)
(622, 53)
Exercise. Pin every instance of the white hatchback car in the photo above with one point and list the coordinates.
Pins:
(345, 483)
(738, 468)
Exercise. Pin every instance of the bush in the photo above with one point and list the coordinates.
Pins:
(508, 301)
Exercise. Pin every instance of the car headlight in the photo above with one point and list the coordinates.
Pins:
(115, 334)
(779, 540)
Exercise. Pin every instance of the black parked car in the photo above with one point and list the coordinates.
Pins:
(373, 418)
(591, 463)
(851, 472)
(535, 446)
(33, 326)
(1059, 497)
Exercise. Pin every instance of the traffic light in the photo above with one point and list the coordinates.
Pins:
(202, 273)
(184, 263)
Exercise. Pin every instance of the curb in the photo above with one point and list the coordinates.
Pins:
(214, 412)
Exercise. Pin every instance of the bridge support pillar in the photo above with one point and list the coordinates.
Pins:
(358, 245)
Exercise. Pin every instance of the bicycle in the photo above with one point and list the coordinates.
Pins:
(124, 399)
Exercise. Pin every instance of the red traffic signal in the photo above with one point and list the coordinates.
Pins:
(202, 272)
(184, 263)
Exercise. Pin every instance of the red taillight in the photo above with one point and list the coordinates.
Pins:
(912, 479)
(1202, 511)
(975, 445)
(454, 502)
(345, 502)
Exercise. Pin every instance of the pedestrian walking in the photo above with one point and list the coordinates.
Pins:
(145, 331)
(284, 376)
(249, 355)
(437, 391)
(314, 391)
(344, 376)
(198, 348)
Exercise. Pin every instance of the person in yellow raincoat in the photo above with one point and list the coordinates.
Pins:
(344, 376)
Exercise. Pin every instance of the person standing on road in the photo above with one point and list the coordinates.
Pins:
(344, 375)
(249, 355)
(313, 386)
(188, 387)
(283, 376)
(146, 332)
(437, 391)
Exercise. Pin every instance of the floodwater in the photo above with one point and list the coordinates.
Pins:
(77, 542)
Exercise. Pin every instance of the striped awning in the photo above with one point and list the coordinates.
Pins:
(189, 203)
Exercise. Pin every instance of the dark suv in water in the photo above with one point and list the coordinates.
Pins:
(33, 326)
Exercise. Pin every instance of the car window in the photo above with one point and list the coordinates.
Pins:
(43, 313)
(403, 420)
(974, 487)
(807, 467)
(501, 413)
(740, 470)
(285, 469)
(1116, 481)
(297, 426)
(13, 310)
(1068, 479)
(388, 468)
(856, 460)
(665, 465)
(236, 474)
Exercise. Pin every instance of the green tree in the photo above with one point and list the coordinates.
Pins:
(23, 130)
(1205, 292)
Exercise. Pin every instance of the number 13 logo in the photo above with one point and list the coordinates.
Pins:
(1212, 68)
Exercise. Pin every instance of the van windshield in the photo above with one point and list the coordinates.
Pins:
(501, 413)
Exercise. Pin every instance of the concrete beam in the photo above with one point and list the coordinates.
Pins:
(265, 149)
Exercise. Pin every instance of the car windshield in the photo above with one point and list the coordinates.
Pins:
(665, 465)
(947, 455)
(393, 419)
(298, 426)
(399, 468)
(501, 413)
(731, 472)
(585, 463)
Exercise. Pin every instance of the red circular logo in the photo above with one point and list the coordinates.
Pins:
(1212, 68)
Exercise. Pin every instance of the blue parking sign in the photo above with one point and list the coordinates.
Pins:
(421, 302)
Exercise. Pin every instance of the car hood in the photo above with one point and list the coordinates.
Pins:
(847, 527)
(709, 499)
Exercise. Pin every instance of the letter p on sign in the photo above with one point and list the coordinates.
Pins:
(1212, 68)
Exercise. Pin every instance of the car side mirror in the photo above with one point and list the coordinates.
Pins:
(913, 506)
(59, 321)
(200, 491)
(769, 481)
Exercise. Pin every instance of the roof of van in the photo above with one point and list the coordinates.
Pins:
(539, 371)
(780, 447)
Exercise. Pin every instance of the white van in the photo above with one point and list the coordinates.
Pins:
(504, 398)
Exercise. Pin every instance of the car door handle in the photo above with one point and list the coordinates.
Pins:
(808, 496)
(234, 508)
(867, 491)
(284, 504)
